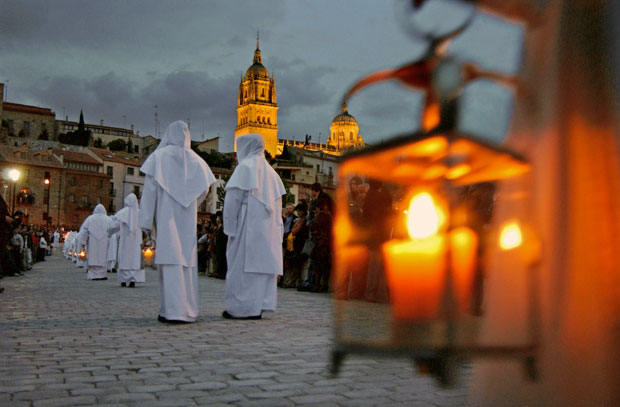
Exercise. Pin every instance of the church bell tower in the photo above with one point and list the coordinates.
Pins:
(257, 108)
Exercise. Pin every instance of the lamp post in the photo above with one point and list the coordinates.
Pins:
(14, 175)
(47, 182)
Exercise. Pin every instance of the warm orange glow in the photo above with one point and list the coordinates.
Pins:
(464, 254)
(46, 181)
(425, 217)
(82, 255)
(431, 117)
(458, 171)
(415, 276)
(434, 172)
(510, 236)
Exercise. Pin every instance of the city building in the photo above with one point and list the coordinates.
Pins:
(39, 199)
(257, 108)
(125, 174)
(84, 186)
(24, 121)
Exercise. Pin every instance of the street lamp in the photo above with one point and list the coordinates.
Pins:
(47, 182)
(14, 175)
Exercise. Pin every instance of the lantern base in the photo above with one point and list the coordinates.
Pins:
(441, 363)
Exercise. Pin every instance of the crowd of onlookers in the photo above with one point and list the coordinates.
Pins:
(212, 247)
(22, 244)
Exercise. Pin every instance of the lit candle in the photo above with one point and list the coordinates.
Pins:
(415, 268)
(416, 276)
(464, 253)
(148, 256)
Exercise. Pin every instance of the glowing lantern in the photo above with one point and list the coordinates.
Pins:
(82, 255)
(421, 248)
(148, 252)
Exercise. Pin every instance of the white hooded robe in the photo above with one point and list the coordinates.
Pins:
(94, 234)
(253, 223)
(176, 182)
(129, 243)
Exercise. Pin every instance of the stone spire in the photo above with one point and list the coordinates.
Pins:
(257, 57)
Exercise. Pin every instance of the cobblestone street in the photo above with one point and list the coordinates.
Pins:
(66, 341)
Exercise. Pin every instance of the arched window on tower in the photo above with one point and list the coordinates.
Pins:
(262, 93)
(269, 120)
(351, 136)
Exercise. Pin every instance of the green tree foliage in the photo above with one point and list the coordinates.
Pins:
(98, 143)
(215, 158)
(117, 145)
(44, 135)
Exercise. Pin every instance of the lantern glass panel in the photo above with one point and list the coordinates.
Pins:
(406, 290)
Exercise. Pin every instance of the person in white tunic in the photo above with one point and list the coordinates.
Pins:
(253, 223)
(125, 226)
(112, 250)
(176, 182)
(94, 235)
(56, 240)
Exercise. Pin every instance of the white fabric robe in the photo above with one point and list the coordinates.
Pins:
(253, 223)
(129, 250)
(93, 234)
(56, 240)
(176, 182)
(112, 249)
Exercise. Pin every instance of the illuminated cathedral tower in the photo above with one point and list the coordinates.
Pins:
(344, 132)
(257, 110)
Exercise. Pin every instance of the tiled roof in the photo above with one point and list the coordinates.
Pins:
(16, 107)
(107, 155)
(73, 156)
(14, 155)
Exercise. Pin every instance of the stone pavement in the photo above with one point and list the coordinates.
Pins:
(66, 341)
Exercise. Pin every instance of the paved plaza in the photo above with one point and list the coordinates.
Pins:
(66, 341)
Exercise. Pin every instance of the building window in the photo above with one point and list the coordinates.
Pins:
(110, 170)
(72, 198)
(98, 200)
(330, 171)
(100, 184)
(46, 196)
(129, 170)
(136, 190)
(27, 127)
(84, 199)
(318, 168)
(136, 149)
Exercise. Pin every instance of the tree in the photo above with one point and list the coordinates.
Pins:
(98, 143)
(117, 145)
(44, 135)
(215, 158)
(129, 146)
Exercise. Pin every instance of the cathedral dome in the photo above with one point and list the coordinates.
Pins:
(257, 71)
(344, 117)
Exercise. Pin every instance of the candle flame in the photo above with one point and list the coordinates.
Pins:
(510, 236)
(425, 217)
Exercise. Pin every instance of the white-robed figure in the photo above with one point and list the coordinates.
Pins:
(56, 240)
(176, 182)
(253, 223)
(94, 235)
(125, 226)
(112, 250)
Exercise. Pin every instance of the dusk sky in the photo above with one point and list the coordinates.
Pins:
(116, 60)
